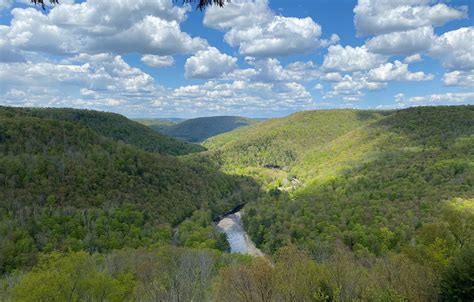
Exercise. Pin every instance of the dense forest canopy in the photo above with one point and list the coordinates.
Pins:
(347, 205)
(65, 186)
(199, 129)
(110, 125)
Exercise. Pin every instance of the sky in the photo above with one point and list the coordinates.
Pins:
(255, 58)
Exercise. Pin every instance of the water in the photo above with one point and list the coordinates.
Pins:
(237, 237)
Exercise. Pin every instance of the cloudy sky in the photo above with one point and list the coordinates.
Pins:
(150, 58)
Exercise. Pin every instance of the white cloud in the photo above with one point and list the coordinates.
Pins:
(351, 87)
(282, 36)
(350, 58)
(238, 14)
(385, 16)
(146, 27)
(450, 98)
(4, 4)
(397, 71)
(91, 81)
(412, 59)
(332, 77)
(157, 61)
(403, 43)
(459, 78)
(258, 32)
(241, 96)
(208, 64)
(271, 70)
(319, 86)
(455, 49)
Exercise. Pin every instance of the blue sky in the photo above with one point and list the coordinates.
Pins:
(252, 58)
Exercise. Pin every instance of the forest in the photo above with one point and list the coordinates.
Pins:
(348, 205)
(199, 129)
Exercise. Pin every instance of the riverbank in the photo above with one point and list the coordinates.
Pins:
(237, 237)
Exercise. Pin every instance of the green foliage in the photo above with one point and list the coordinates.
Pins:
(199, 232)
(381, 203)
(393, 185)
(65, 187)
(385, 182)
(159, 274)
(294, 276)
(157, 122)
(109, 125)
(283, 141)
(74, 277)
(199, 129)
(458, 280)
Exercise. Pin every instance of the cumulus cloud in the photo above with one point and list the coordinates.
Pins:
(450, 98)
(147, 27)
(455, 49)
(350, 58)
(385, 16)
(4, 4)
(412, 59)
(157, 61)
(271, 70)
(403, 43)
(282, 36)
(258, 32)
(397, 71)
(459, 78)
(318, 86)
(208, 64)
(238, 14)
(351, 87)
(241, 96)
(82, 81)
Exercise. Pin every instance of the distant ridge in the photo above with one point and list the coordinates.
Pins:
(199, 129)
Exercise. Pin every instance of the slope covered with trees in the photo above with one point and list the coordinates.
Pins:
(356, 206)
(64, 186)
(399, 182)
(155, 123)
(110, 125)
(376, 186)
(199, 129)
(282, 141)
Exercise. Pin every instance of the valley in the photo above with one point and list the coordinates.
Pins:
(304, 203)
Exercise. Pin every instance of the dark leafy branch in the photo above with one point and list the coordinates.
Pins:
(41, 2)
(202, 4)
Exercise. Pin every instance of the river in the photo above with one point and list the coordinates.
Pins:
(237, 237)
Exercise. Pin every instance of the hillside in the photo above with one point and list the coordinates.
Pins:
(375, 181)
(199, 129)
(111, 125)
(158, 122)
(359, 205)
(64, 186)
(343, 161)
(269, 150)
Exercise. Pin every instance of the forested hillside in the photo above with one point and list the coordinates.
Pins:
(110, 125)
(268, 151)
(199, 129)
(348, 205)
(64, 186)
(282, 141)
(386, 183)
(156, 123)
